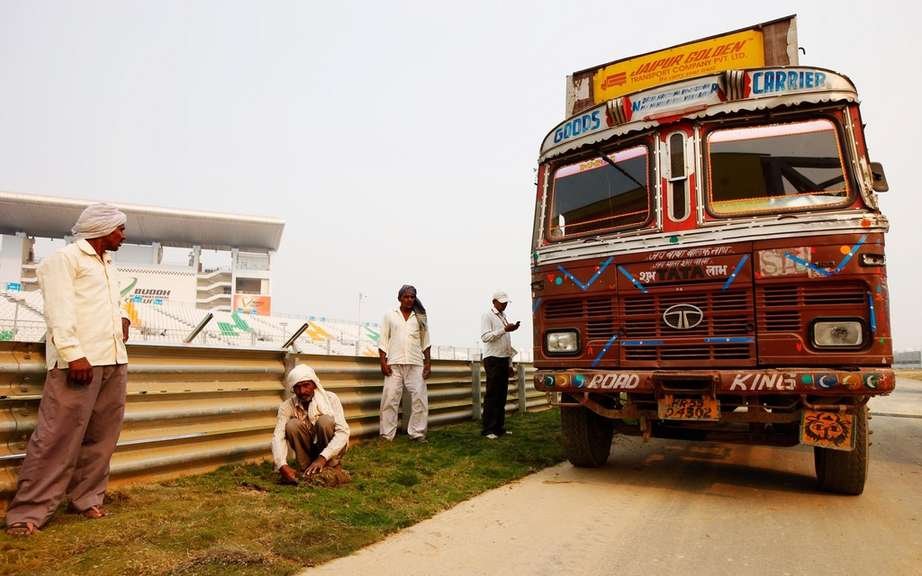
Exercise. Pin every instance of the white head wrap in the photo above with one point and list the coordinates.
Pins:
(320, 403)
(98, 220)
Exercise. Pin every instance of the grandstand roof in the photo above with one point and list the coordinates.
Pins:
(50, 217)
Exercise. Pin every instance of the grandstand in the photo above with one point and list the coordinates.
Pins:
(166, 301)
(170, 323)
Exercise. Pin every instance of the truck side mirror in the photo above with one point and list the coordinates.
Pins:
(878, 178)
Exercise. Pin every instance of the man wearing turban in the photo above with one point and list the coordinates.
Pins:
(403, 348)
(83, 399)
(312, 424)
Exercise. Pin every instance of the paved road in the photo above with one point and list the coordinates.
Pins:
(665, 507)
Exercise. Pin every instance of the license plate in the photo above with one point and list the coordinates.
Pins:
(705, 408)
(834, 430)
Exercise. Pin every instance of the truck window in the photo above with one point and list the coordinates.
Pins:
(776, 168)
(678, 179)
(594, 195)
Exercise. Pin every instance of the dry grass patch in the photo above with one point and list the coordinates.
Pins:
(239, 521)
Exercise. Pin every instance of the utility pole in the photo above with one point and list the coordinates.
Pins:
(358, 336)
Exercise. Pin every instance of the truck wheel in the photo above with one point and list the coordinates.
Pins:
(845, 472)
(587, 436)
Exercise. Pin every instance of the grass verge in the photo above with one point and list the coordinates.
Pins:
(238, 520)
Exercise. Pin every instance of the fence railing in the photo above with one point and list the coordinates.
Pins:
(192, 409)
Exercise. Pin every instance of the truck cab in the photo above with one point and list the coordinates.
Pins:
(708, 263)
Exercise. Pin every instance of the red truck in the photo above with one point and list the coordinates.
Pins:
(708, 255)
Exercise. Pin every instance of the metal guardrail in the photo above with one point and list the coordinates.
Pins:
(192, 409)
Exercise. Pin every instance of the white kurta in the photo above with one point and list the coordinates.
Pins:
(82, 307)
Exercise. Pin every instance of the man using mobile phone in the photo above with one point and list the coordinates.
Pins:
(497, 361)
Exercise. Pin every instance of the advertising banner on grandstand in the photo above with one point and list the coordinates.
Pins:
(157, 285)
(248, 304)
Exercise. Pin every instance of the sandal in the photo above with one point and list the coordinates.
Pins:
(22, 529)
(94, 512)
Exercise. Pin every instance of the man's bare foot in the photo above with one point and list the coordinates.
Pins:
(94, 513)
(22, 529)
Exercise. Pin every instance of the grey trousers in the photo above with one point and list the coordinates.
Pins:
(307, 442)
(69, 451)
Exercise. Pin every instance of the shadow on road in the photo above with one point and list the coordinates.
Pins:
(700, 467)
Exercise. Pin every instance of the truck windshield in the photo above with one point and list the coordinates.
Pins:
(775, 168)
(597, 195)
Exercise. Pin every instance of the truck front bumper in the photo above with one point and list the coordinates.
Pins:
(745, 382)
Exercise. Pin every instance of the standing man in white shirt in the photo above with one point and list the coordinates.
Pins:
(403, 347)
(83, 399)
(497, 362)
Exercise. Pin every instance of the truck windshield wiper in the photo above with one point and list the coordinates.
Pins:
(619, 168)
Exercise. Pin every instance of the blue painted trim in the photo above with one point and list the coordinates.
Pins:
(604, 350)
(592, 280)
(824, 272)
(873, 314)
(738, 340)
(633, 280)
(572, 277)
(735, 272)
(534, 305)
(810, 265)
(642, 343)
(850, 254)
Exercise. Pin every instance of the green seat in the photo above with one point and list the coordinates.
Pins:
(240, 322)
(227, 329)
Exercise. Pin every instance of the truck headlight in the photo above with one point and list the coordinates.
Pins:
(561, 342)
(837, 334)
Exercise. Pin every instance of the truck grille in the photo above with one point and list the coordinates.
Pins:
(782, 304)
(597, 314)
(637, 319)
(726, 315)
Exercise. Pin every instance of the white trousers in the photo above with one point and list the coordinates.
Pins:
(409, 377)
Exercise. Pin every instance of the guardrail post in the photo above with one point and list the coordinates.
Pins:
(520, 380)
(475, 389)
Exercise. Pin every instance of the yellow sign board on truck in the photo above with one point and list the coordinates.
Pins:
(733, 51)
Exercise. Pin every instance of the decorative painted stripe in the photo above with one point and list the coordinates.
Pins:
(534, 305)
(633, 280)
(810, 265)
(823, 271)
(873, 313)
(572, 278)
(738, 340)
(601, 269)
(850, 254)
(642, 343)
(604, 350)
(735, 272)
(594, 277)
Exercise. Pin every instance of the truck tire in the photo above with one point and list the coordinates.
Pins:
(845, 472)
(587, 436)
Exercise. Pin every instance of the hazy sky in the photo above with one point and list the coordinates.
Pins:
(397, 139)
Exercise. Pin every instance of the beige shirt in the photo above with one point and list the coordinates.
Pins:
(82, 307)
(292, 408)
(497, 342)
(401, 339)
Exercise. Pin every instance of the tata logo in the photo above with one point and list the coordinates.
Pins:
(683, 316)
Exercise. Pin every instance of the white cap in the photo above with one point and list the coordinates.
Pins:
(501, 297)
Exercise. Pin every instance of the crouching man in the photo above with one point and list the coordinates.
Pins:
(312, 423)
